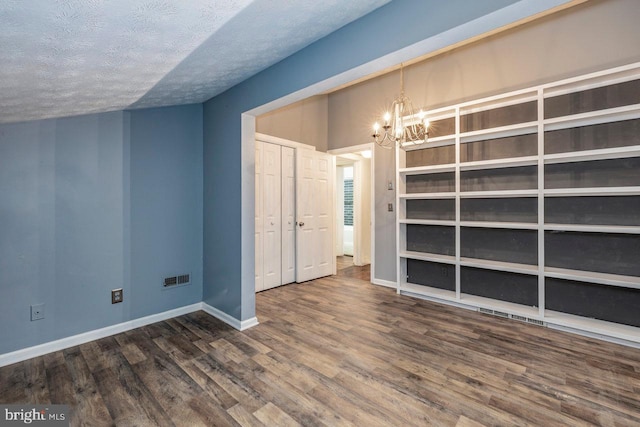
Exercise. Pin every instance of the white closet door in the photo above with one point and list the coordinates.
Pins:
(272, 254)
(259, 219)
(315, 211)
(288, 215)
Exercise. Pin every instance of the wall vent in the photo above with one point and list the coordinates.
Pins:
(179, 280)
(511, 316)
(170, 281)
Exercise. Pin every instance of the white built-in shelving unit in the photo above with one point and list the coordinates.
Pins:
(527, 205)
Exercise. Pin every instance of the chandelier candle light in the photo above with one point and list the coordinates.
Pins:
(404, 127)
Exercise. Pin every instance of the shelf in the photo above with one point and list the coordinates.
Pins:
(497, 194)
(592, 326)
(427, 169)
(626, 112)
(428, 291)
(428, 222)
(499, 266)
(443, 195)
(623, 229)
(593, 277)
(589, 155)
(424, 256)
(500, 163)
(507, 225)
(499, 132)
(504, 306)
(597, 191)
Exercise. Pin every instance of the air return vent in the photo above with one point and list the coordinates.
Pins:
(179, 280)
(511, 316)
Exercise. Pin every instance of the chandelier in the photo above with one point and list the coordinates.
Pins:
(402, 126)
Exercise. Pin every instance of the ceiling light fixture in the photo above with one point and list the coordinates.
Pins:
(402, 126)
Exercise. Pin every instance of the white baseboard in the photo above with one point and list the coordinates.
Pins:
(229, 320)
(385, 283)
(61, 344)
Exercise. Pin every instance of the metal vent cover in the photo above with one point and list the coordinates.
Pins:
(184, 279)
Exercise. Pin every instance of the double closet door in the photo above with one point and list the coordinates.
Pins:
(294, 215)
(275, 215)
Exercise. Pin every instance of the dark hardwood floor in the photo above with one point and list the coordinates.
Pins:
(338, 351)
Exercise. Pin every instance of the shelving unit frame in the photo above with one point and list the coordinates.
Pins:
(538, 313)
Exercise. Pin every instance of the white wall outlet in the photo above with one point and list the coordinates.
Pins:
(37, 312)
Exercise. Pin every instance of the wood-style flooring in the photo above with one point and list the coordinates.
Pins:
(338, 351)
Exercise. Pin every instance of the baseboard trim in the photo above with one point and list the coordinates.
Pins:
(63, 343)
(385, 283)
(229, 320)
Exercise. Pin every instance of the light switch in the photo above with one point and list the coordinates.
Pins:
(390, 185)
(390, 207)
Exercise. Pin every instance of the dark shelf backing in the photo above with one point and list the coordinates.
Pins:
(600, 98)
(499, 148)
(592, 210)
(514, 178)
(500, 285)
(431, 156)
(610, 303)
(598, 252)
(596, 173)
(434, 209)
(502, 116)
(433, 239)
(442, 127)
(518, 209)
(497, 244)
(593, 137)
(431, 183)
(436, 275)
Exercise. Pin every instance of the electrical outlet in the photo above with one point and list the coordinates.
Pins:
(390, 207)
(37, 312)
(116, 296)
(390, 185)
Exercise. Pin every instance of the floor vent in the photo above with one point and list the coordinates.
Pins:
(511, 316)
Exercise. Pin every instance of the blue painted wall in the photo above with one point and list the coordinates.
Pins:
(61, 227)
(166, 206)
(228, 282)
(85, 206)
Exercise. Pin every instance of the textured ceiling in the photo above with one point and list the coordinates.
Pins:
(67, 57)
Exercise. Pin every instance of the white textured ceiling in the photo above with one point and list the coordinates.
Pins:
(67, 57)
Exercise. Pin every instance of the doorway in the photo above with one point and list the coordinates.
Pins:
(354, 205)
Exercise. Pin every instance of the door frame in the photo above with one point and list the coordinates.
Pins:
(357, 149)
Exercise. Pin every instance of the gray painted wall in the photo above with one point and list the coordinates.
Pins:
(86, 207)
(590, 37)
(305, 121)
